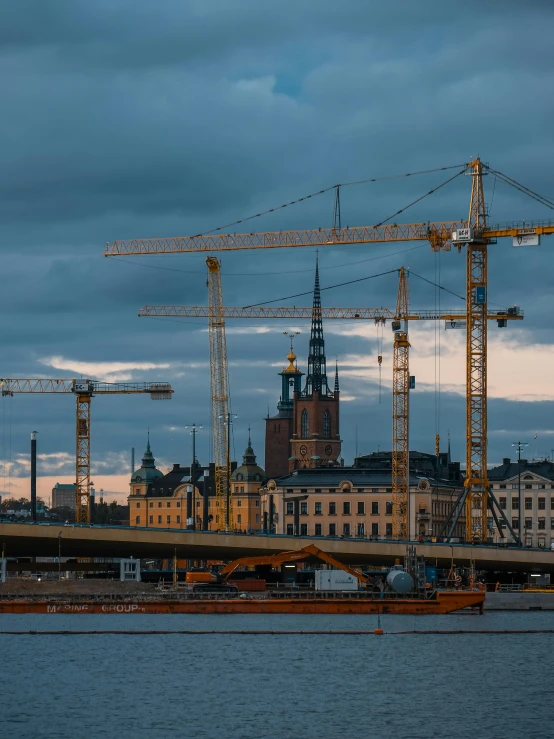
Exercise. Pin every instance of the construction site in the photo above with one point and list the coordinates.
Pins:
(389, 502)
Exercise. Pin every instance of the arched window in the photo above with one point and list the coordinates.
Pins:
(305, 427)
(326, 425)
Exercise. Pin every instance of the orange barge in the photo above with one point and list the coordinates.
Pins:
(438, 602)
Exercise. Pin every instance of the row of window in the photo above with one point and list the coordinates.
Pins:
(528, 502)
(346, 508)
(291, 491)
(528, 523)
(525, 486)
(347, 529)
(151, 520)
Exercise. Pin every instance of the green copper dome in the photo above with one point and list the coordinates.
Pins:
(147, 473)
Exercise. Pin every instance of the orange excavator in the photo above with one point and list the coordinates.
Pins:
(209, 581)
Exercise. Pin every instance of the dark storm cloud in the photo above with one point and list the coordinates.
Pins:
(128, 119)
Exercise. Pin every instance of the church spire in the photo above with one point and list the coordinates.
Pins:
(316, 378)
(337, 376)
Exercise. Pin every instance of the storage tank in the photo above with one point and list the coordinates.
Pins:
(400, 581)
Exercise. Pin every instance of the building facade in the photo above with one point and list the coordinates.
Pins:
(247, 481)
(63, 495)
(358, 502)
(533, 519)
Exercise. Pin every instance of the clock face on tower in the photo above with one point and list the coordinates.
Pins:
(303, 450)
(328, 450)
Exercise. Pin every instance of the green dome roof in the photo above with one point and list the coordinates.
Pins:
(147, 472)
(249, 471)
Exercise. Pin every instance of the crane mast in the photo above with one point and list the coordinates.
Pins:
(476, 481)
(400, 415)
(220, 396)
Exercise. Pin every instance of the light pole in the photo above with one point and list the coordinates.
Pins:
(228, 422)
(60, 556)
(194, 429)
(519, 444)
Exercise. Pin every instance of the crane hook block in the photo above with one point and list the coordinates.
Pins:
(380, 359)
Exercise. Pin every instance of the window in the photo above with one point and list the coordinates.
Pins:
(178, 504)
(542, 523)
(332, 529)
(318, 529)
(515, 523)
(514, 486)
(528, 504)
(375, 508)
(290, 529)
(317, 490)
(542, 504)
(137, 520)
(326, 425)
(138, 505)
(317, 510)
(239, 518)
(257, 504)
(178, 519)
(359, 490)
(346, 529)
(197, 504)
(332, 509)
(305, 425)
(374, 529)
(552, 523)
(528, 523)
(361, 508)
(374, 490)
(159, 519)
(388, 490)
(168, 519)
(541, 487)
(502, 487)
(137, 491)
(552, 503)
(304, 508)
(152, 519)
(515, 504)
(528, 487)
(239, 503)
(257, 518)
(169, 504)
(388, 510)
(527, 477)
(361, 529)
(303, 490)
(159, 504)
(346, 508)
(388, 531)
(502, 502)
(303, 529)
(290, 508)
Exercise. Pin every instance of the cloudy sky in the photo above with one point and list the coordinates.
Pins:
(129, 118)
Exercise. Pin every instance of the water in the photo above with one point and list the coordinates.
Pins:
(276, 687)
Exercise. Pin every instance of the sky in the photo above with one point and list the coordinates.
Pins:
(127, 118)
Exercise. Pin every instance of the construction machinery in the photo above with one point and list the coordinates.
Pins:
(473, 233)
(84, 391)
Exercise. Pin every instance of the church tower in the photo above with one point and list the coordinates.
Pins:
(316, 439)
(279, 428)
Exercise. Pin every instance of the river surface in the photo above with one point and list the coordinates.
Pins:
(222, 686)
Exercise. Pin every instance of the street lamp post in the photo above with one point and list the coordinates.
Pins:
(228, 422)
(60, 556)
(194, 429)
(519, 444)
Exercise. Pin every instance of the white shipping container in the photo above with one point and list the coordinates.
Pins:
(335, 580)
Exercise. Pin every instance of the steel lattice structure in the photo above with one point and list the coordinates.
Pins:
(400, 418)
(220, 396)
(84, 390)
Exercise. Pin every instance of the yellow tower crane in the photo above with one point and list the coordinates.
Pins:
(401, 373)
(474, 233)
(219, 381)
(84, 391)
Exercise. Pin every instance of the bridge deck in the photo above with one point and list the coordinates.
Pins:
(41, 540)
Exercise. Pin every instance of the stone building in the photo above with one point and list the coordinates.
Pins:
(535, 479)
(63, 495)
(357, 502)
